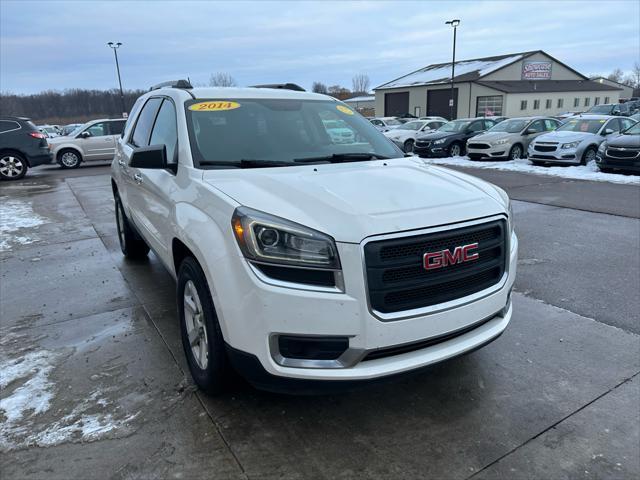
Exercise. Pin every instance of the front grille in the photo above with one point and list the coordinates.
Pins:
(545, 148)
(397, 280)
(422, 143)
(479, 146)
(618, 153)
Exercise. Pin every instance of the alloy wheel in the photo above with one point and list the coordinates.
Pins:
(11, 166)
(69, 159)
(194, 321)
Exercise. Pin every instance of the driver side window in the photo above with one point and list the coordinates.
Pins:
(97, 130)
(536, 127)
(165, 130)
(476, 127)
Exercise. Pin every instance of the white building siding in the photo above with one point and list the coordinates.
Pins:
(513, 104)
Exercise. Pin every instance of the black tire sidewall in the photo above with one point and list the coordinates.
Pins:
(583, 160)
(511, 152)
(25, 166)
(133, 247)
(410, 143)
(214, 378)
(452, 146)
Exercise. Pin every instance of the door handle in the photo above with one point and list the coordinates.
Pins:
(138, 178)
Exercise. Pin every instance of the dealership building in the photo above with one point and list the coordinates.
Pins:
(513, 85)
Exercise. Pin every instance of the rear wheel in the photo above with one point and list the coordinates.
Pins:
(455, 150)
(515, 153)
(69, 159)
(131, 244)
(589, 155)
(201, 335)
(12, 166)
(408, 146)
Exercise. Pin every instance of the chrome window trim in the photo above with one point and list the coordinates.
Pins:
(441, 307)
(13, 129)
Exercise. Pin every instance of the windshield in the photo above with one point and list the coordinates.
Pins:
(76, 130)
(509, 126)
(393, 121)
(454, 126)
(604, 109)
(582, 125)
(225, 132)
(411, 126)
(633, 130)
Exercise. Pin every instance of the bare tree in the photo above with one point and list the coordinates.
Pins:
(636, 74)
(360, 83)
(339, 92)
(616, 75)
(222, 79)
(319, 87)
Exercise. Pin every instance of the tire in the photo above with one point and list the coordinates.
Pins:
(588, 156)
(516, 152)
(455, 150)
(408, 146)
(13, 166)
(201, 335)
(69, 159)
(131, 244)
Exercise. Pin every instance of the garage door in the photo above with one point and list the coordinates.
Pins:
(438, 103)
(396, 104)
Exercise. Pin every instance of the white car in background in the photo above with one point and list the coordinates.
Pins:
(404, 136)
(384, 124)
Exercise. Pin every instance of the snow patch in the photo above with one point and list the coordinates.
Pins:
(15, 217)
(579, 172)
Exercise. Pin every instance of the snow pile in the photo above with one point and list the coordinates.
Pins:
(579, 172)
(442, 73)
(15, 217)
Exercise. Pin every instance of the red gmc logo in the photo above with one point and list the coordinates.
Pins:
(443, 258)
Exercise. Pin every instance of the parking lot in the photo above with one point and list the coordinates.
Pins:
(95, 382)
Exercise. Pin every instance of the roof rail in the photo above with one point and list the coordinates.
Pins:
(173, 84)
(283, 86)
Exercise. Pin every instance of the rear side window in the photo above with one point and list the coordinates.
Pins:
(117, 127)
(7, 125)
(165, 130)
(142, 130)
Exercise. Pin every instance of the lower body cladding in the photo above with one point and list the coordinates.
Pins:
(40, 158)
(306, 338)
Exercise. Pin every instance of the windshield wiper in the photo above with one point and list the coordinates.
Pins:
(248, 163)
(342, 157)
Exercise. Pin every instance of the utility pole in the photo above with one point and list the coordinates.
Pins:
(454, 23)
(115, 47)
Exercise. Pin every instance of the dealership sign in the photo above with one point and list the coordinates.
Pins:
(536, 71)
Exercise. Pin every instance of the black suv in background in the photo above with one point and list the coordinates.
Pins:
(450, 139)
(22, 146)
(610, 109)
(621, 152)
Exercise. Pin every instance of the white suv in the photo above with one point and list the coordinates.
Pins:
(301, 261)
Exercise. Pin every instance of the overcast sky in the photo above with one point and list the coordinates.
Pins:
(58, 45)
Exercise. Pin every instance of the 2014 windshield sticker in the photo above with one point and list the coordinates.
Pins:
(216, 106)
(344, 109)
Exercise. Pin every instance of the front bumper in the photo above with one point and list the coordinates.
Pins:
(559, 155)
(268, 310)
(431, 151)
(487, 150)
(616, 163)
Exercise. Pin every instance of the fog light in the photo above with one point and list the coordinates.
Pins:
(312, 348)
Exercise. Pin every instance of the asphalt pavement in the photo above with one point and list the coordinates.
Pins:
(95, 384)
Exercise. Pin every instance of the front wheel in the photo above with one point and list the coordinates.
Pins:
(132, 246)
(69, 159)
(515, 153)
(455, 150)
(12, 166)
(589, 155)
(201, 335)
(408, 146)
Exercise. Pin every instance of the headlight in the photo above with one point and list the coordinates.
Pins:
(499, 142)
(570, 145)
(439, 142)
(266, 238)
(602, 147)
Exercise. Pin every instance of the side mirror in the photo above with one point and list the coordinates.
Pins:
(154, 156)
(84, 134)
(609, 131)
(529, 131)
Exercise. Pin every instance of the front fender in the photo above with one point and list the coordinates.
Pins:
(57, 147)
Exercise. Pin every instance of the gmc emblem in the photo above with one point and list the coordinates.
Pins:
(443, 258)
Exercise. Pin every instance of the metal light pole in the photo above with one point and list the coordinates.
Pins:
(115, 47)
(454, 23)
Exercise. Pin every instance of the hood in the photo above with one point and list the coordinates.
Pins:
(564, 136)
(492, 136)
(399, 134)
(352, 201)
(632, 141)
(436, 135)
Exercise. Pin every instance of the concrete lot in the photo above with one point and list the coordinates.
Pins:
(94, 373)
